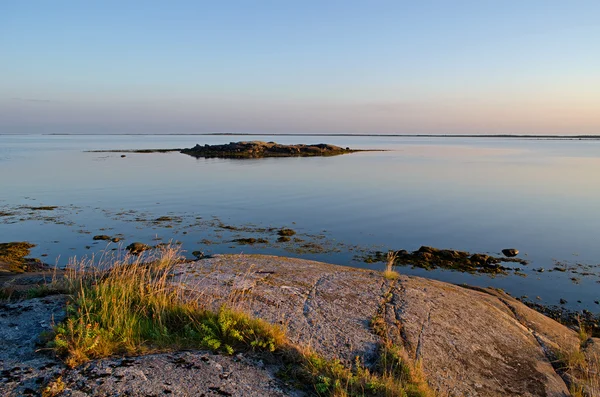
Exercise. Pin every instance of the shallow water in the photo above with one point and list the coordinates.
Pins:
(474, 194)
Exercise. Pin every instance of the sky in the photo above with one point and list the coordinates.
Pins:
(372, 67)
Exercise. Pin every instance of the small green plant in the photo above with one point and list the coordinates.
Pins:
(393, 376)
(54, 388)
(229, 329)
(583, 332)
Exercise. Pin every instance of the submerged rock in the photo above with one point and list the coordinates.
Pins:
(101, 237)
(286, 232)
(250, 241)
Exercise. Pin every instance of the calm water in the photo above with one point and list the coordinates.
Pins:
(474, 194)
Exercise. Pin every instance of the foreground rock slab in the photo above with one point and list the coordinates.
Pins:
(178, 374)
(471, 342)
(24, 368)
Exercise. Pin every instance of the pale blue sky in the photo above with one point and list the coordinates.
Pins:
(439, 67)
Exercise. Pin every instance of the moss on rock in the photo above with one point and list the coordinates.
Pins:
(13, 257)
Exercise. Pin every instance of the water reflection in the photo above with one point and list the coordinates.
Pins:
(469, 194)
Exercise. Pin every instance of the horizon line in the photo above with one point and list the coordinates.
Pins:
(545, 136)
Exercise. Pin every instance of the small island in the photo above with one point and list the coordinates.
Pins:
(258, 149)
(251, 150)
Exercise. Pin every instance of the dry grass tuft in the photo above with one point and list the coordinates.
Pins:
(395, 375)
(581, 367)
(582, 373)
(132, 308)
(389, 273)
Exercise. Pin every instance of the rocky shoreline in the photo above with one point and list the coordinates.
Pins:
(432, 258)
(471, 341)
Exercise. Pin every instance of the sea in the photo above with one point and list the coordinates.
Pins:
(476, 194)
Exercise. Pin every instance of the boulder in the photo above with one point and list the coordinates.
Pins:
(510, 252)
(137, 248)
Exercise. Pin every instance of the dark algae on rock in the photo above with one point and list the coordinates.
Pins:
(430, 258)
(572, 318)
(13, 258)
(258, 149)
(286, 232)
(251, 241)
(101, 237)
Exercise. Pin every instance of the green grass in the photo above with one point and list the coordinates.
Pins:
(581, 371)
(132, 307)
(580, 368)
(395, 375)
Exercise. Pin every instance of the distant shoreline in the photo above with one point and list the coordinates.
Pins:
(507, 136)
